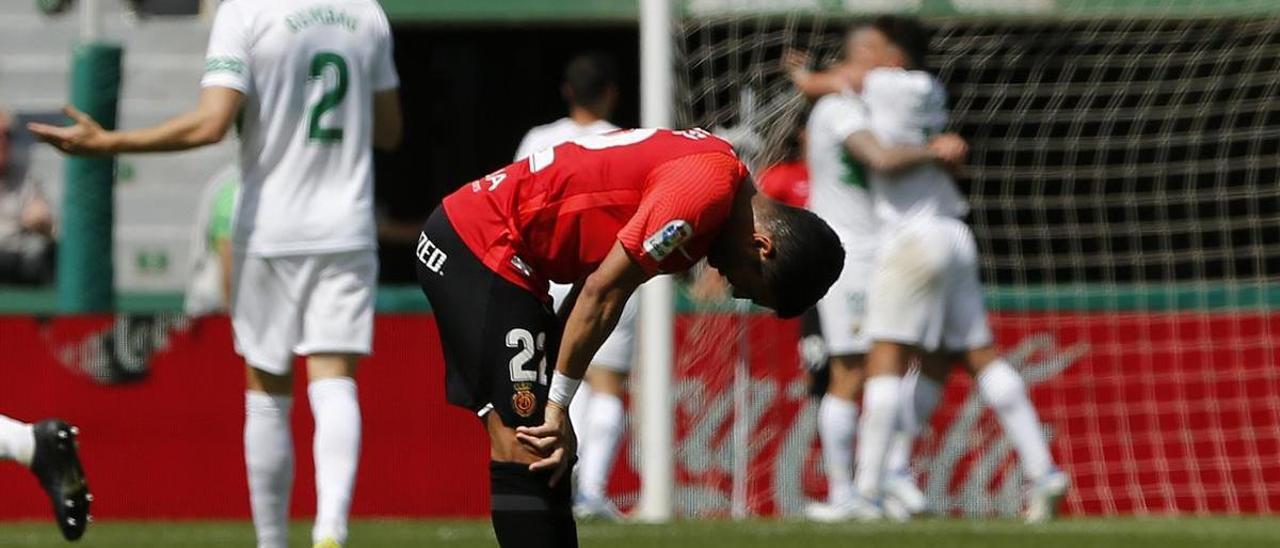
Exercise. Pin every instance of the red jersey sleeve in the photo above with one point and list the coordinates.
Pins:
(685, 203)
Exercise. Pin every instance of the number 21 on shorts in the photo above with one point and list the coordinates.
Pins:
(523, 366)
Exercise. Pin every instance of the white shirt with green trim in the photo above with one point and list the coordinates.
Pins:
(907, 108)
(308, 70)
(838, 191)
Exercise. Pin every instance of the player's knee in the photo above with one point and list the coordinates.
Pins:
(503, 445)
(328, 366)
(257, 380)
(847, 376)
(527, 511)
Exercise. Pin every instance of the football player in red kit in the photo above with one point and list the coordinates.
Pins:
(604, 213)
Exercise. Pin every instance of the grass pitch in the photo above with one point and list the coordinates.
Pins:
(1086, 533)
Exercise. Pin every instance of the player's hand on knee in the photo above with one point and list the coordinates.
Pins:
(553, 440)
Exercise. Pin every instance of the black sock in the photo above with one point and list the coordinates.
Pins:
(526, 512)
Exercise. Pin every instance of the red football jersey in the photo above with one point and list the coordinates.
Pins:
(664, 194)
(786, 182)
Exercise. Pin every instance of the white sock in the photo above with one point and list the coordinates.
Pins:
(922, 395)
(17, 441)
(268, 455)
(603, 428)
(337, 453)
(880, 411)
(837, 423)
(1006, 394)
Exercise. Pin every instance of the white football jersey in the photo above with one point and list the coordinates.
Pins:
(907, 108)
(308, 70)
(838, 191)
(548, 135)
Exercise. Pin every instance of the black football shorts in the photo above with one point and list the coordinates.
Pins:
(499, 339)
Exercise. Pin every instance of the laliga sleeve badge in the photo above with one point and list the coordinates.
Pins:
(523, 401)
(669, 238)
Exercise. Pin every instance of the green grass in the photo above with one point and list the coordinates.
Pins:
(1088, 533)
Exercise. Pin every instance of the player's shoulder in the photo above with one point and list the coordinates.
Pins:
(892, 80)
(839, 104)
(546, 135)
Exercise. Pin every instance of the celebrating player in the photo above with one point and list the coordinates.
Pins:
(591, 89)
(48, 449)
(925, 294)
(839, 194)
(314, 86)
(605, 213)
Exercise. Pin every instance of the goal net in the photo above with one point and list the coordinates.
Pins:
(1125, 184)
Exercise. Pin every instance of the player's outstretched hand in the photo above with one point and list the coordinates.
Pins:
(84, 137)
(795, 62)
(553, 440)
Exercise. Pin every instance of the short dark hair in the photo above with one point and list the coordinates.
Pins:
(908, 33)
(589, 76)
(808, 257)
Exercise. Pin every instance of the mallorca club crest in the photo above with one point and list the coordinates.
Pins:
(523, 401)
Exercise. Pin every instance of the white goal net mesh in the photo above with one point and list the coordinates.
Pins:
(1125, 183)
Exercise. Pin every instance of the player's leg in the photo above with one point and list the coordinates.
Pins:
(602, 426)
(603, 418)
(496, 339)
(921, 393)
(840, 315)
(265, 322)
(336, 331)
(904, 314)
(48, 448)
(268, 453)
(902, 495)
(837, 424)
(336, 446)
(527, 510)
(1000, 385)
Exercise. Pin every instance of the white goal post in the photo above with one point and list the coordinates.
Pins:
(655, 425)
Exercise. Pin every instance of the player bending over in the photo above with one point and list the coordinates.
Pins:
(925, 295)
(315, 88)
(838, 163)
(591, 89)
(48, 449)
(605, 213)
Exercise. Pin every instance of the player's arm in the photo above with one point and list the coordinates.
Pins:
(208, 123)
(948, 149)
(813, 84)
(223, 248)
(388, 123)
(594, 312)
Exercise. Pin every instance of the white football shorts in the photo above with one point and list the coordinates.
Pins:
(842, 310)
(925, 290)
(618, 350)
(302, 305)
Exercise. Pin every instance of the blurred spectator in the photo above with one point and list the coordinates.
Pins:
(209, 288)
(26, 222)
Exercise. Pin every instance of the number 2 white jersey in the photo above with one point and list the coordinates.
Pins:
(908, 107)
(308, 70)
